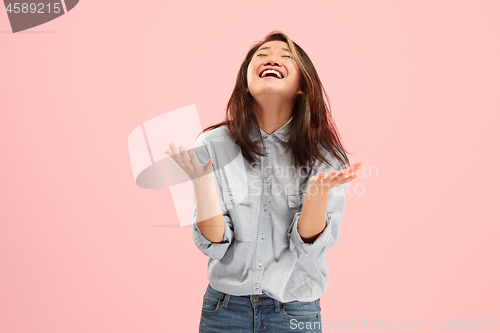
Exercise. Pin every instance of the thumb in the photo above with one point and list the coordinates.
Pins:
(209, 164)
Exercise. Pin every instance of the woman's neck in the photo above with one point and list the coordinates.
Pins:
(271, 117)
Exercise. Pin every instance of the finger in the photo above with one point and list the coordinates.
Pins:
(184, 155)
(345, 174)
(179, 158)
(333, 174)
(194, 159)
(343, 181)
(355, 167)
(173, 150)
(194, 165)
(198, 167)
(340, 175)
(349, 178)
(176, 156)
(169, 152)
(208, 165)
(186, 160)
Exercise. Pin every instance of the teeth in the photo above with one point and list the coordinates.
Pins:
(271, 71)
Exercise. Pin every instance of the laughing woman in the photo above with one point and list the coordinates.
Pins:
(269, 190)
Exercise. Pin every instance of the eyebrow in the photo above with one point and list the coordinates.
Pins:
(268, 47)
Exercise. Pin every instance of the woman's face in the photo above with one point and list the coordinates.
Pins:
(275, 56)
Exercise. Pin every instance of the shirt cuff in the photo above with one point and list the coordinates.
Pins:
(213, 250)
(321, 242)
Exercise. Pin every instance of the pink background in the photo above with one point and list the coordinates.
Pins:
(414, 87)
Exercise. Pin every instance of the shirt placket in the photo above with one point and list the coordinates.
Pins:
(263, 230)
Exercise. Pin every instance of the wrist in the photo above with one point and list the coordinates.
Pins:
(317, 191)
(203, 187)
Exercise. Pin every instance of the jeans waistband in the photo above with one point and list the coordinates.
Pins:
(251, 300)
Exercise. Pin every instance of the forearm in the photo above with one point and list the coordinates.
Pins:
(312, 219)
(208, 212)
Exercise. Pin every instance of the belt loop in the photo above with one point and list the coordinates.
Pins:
(277, 305)
(226, 300)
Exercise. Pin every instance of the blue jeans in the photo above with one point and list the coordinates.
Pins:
(257, 313)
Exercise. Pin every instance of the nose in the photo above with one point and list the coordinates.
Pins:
(272, 62)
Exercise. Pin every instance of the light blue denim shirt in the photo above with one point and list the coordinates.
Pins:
(262, 251)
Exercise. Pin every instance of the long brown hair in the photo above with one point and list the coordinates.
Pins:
(311, 123)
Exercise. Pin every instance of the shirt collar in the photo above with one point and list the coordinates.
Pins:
(282, 133)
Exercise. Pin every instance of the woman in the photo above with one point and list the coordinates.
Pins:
(267, 219)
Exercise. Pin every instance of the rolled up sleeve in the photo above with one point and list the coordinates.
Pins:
(213, 250)
(333, 217)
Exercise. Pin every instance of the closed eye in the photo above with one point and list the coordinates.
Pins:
(260, 54)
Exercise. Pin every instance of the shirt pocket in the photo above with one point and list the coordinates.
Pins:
(239, 208)
(296, 200)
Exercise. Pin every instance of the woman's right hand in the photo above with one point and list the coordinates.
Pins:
(198, 173)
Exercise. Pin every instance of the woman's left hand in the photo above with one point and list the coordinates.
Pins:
(334, 178)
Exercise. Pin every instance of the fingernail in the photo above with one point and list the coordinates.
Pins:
(171, 144)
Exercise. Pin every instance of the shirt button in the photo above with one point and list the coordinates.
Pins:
(268, 150)
(265, 207)
(256, 286)
(262, 236)
(268, 137)
(267, 179)
(230, 197)
(260, 263)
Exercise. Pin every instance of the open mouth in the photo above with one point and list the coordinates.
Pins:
(271, 73)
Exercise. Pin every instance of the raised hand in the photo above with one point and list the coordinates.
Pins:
(198, 173)
(321, 183)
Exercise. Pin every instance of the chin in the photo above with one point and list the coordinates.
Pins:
(269, 90)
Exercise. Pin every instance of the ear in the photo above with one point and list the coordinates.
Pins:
(300, 93)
